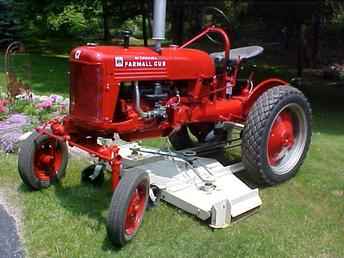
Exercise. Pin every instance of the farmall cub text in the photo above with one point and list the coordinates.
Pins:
(144, 92)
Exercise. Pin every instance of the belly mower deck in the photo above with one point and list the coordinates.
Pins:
(197, 185)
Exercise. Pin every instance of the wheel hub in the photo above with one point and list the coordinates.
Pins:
(48, 160)
(281, 137)
(135, 210)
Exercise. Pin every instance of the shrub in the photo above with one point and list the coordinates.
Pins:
(134, 24)
(9, 27)
(73, 21)
(337, 14)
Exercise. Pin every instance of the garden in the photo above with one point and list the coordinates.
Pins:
(303, 217)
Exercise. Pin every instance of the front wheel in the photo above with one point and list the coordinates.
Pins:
(277, 135)
(42, 160)
(128, 205)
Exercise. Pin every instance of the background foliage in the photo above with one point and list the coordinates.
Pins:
(9, 22)
(103, 19)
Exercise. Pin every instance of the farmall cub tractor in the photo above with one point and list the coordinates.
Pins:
(176, 92)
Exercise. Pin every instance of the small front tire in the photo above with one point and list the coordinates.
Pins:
(128, 205)
(42, 160)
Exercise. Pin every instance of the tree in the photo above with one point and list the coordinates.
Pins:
(9, 25)
(106, 5)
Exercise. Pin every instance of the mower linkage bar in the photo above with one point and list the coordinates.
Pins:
(188, 156)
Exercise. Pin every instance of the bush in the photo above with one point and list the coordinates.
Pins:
(337, 14)
(72, 21)
(234, 11)
(134, 24)
(9, 27)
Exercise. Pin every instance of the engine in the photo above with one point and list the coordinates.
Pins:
(118, 84)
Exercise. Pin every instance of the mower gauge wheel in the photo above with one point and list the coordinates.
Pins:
(42, 160)
(98, 180)
(154, 196)
(277, 135)
(128, 205)
(182, 139)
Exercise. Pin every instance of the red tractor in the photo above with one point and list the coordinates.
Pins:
(176, 92)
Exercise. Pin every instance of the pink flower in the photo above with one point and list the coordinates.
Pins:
(46, 104)
(3, 104)
(56, 98)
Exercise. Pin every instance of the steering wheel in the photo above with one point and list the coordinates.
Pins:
(211, 9)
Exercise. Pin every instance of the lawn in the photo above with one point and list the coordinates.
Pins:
(44, 74)
(303, 217)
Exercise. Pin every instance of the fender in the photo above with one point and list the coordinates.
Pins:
(259, 90)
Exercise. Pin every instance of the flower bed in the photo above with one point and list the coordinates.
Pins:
(24, 113)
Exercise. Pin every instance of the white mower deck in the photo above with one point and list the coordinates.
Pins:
(206, 189)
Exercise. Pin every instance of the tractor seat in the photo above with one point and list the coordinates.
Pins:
(234, 54)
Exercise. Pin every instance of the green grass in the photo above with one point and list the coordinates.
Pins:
(301, 218)
(45, 74)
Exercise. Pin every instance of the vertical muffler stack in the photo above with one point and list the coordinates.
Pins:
(159, 22)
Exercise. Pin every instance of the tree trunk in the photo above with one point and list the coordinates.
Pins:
(316, 24)
(144, 23)
(106, 19)
(177, 20)
(301, 49)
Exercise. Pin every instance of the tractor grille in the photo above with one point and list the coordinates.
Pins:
(86, 90)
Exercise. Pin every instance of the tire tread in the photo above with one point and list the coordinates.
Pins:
(253, 132)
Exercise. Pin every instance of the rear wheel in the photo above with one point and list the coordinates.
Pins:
(42, 160)
(128, 205)
(277, 135)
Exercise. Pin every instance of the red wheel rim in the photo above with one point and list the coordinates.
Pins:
(47, 160)
(281, 137)
(135, 209)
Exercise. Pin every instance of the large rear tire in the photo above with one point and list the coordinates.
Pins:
(128, 205)
(42, 161)
(277, 135)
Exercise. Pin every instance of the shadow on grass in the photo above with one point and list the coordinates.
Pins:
(23, 188)
(88, 200)
(83, 199)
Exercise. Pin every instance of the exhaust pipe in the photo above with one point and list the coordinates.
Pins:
(158, 112)
(138, 102)
(159, 22)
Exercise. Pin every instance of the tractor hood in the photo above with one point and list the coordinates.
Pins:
(143, 63)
